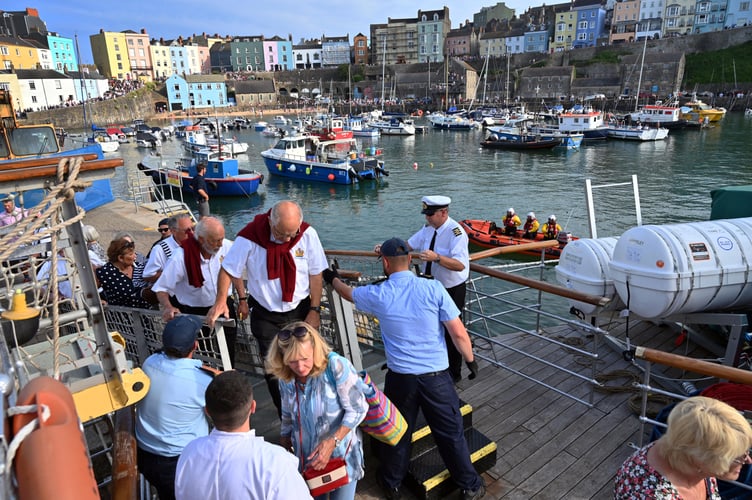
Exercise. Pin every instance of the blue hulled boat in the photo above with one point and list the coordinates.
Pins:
(338, 161)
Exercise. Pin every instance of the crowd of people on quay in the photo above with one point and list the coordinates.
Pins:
(194, 427)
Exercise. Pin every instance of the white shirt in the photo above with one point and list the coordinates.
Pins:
(248, 256)
(451, 241)
(174, 278)
(63, 284)
(158, 258)
(237, 465)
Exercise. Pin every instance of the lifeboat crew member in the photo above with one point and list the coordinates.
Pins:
(510, 222)
(551, 228)
(531, 226)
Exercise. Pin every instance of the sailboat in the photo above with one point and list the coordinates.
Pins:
(450, 119)
(395, 125)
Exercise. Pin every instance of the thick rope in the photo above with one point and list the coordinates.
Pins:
(25, 431)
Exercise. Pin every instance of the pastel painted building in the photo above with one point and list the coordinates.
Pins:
(18, 53)
(196, 91)
(110, 52)
(492, 44)
(624, 18)
(679, 17)
(536, 39)
(515, 42)
(88, 85)
(710, 15)
(44, 88)
(62, 50)
(565, 31)
(278, 54)
(591, 22)
(461, 42)
(179, 59)
(307, 54)
(139, 55)
(738, 13)
(160, 60)
(651, 18)
(433, 28)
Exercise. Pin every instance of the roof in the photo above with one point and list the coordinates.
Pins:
(548, 71)
(204, 78)
(39, 74)
(254, 86)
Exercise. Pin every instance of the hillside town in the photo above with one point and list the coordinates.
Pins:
(42, 67)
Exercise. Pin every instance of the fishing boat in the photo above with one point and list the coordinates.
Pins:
(339, 161)
(698, 112)
(394, 126)
(360, 128)
(223, 175)
(330, 128)
(636, 132)
(585, 121)
(485, 233)
(520, 142)
(515, 128)
(659, 115)
(39, 142)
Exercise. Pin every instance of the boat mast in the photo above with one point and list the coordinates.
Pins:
(446, 83)
(485, 73)
(506, 94)
(383, 74)
(639, 80)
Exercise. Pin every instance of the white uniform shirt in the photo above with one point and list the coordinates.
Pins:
(158, 258)
(451, 241)
(174, 278)
(235, 465)
(245, 255)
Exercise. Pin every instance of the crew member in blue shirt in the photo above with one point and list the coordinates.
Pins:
(172, 413)
(412, 313)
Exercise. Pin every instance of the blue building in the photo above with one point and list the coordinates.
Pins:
(710, 15)
(591, 22)
(536, 39)
(196, 91)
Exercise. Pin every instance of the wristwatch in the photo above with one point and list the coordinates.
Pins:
(318, 309)
(337, 441)
(438, 259)
(241, 299)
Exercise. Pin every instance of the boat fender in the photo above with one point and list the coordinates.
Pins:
(354, 175)
(211, 184)
(54, 445)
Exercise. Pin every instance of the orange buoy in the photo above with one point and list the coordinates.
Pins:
(53, 461)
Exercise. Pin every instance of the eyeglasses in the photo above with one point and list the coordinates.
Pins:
(284, 236)
(743, 459)
(163, 229)
(298, 331)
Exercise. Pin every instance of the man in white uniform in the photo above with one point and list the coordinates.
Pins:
(188, 283)
(443, 246)
(283, 259)
(232, 462)
(181, 226)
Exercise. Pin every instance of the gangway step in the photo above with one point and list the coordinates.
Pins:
(422, 431)
(429, 479)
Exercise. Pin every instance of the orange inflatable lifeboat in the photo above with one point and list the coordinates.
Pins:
(52, 462)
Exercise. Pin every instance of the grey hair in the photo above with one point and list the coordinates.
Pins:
(202, 226)
(123, 234)
(90, 233)
(172, 223)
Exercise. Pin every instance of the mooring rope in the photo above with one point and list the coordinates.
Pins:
(25, 430)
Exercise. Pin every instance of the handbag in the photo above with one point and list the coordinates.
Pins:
(383, 421)
(327, 479)
(331, 477)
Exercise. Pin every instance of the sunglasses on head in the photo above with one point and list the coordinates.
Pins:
(298, 331)
(129, 244)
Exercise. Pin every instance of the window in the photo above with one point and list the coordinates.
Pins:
(32, 86)
(4, 50)
(58, 85)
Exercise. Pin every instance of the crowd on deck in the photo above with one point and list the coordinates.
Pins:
(193, 427)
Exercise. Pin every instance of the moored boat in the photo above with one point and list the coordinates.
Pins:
(485, 233)
(446, 121)
(520, 142)
(698, 112)
(636, 132)
(588, 122)
(394, 126)
(338, 161)
(659, 115)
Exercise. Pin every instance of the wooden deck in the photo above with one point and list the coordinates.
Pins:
(549, 445)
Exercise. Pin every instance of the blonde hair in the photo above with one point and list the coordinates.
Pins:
(281, 352)
(706, 433)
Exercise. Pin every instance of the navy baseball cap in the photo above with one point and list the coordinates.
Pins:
(394, 247)
(180, 333)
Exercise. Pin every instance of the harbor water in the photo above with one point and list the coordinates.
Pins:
(675, 179)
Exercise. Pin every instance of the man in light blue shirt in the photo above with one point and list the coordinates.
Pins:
(172, 413)
(412, 314)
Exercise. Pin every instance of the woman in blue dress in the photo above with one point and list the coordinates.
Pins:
(322, 403)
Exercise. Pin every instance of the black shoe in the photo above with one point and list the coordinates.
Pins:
(456, 379)
(474, 494)
(390, 493)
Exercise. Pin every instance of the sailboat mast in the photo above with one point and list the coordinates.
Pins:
(383, 73)
(446, 84)
(485, 73)
(639, 80)
(506, 95)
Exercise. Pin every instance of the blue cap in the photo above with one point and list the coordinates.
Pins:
(180, 333)
(394, 247)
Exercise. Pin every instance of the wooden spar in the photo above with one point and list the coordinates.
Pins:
(535, 245)
(47, 169)
(17, 163)
(541, 285)
(695, 365)
(124, 468)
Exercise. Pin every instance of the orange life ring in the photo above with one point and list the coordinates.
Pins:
(56, 446)
(420, 112)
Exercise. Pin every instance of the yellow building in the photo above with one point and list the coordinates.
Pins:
(565, 31)
(160, 60)
(110, 54)
(9, 82)
(18, 54)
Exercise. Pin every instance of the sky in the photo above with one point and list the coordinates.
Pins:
(302, 18)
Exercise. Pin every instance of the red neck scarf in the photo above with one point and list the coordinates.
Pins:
(192, 257)
(279, 263)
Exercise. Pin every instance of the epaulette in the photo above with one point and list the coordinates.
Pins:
(457, 231)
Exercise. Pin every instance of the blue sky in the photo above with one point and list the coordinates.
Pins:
(170, 18)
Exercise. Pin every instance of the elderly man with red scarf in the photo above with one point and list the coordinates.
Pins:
(282, 258)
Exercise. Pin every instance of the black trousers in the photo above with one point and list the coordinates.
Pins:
(159, 471)
(264, 325)
(458, 294)
(231, 332)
